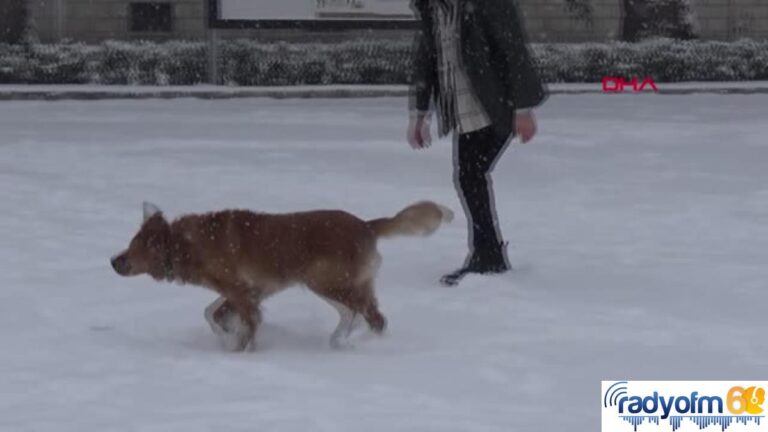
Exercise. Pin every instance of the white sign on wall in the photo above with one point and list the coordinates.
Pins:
(315, 10)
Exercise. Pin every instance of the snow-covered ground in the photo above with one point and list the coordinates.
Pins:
(639, 231)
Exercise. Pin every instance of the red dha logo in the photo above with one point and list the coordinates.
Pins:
(617, 84)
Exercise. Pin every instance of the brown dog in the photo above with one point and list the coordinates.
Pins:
(246, 257)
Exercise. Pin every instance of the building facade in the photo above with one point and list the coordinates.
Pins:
(545, 20)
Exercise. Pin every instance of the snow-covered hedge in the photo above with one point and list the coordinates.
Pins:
(108, 63)
(247, 62)
(662, 59)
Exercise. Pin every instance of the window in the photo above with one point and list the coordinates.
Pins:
(151, 17)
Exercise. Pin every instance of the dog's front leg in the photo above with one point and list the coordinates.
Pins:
(224, 322)
(250, 318)
(234, 317)
(216, 315)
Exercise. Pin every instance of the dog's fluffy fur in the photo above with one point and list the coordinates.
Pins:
(247, 256)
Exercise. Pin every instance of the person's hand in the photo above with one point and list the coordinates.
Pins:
(418, 131)
(525, 125)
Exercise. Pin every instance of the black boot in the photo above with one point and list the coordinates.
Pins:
(481, 261)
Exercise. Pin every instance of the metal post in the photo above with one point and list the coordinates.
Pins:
(213, 56)
(60, 19)
(731, 22)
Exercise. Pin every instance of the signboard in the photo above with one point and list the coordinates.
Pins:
(319, 14)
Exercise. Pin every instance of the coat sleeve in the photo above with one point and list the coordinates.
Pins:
(505, 30)
(424, 78)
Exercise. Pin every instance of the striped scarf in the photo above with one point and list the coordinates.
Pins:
(447, 20)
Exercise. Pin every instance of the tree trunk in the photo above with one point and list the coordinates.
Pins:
(648, 18)
(13, 20)
(632, 20)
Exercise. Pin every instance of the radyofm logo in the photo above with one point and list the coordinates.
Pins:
(683, 405)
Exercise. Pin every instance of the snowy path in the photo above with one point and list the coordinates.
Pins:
(204, 91)
(639, 226)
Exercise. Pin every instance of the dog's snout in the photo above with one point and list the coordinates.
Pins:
(120, 264)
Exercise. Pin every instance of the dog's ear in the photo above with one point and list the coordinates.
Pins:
(149, 210)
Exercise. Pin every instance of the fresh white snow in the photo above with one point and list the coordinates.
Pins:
(638, 228)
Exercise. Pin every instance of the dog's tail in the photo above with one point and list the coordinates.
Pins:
(420, 219)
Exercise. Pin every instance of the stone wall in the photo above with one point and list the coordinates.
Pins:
(96, 20)
(732, 19)
(545, 20)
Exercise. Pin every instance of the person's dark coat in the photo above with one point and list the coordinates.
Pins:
(495, 55)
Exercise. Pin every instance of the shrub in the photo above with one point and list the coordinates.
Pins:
(248, 62)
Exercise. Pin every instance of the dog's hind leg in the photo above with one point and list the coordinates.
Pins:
(357, 321)
(376, 321)
(358, 302)
(368, 306)
(346, 324)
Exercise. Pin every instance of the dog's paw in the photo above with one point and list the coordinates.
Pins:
(229, 342)
(237, 345)
(341, 344)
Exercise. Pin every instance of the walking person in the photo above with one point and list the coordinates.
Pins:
(472, 64)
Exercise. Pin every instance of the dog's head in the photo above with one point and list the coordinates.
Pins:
(148, 252)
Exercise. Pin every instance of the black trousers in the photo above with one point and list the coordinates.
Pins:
(475, 156)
